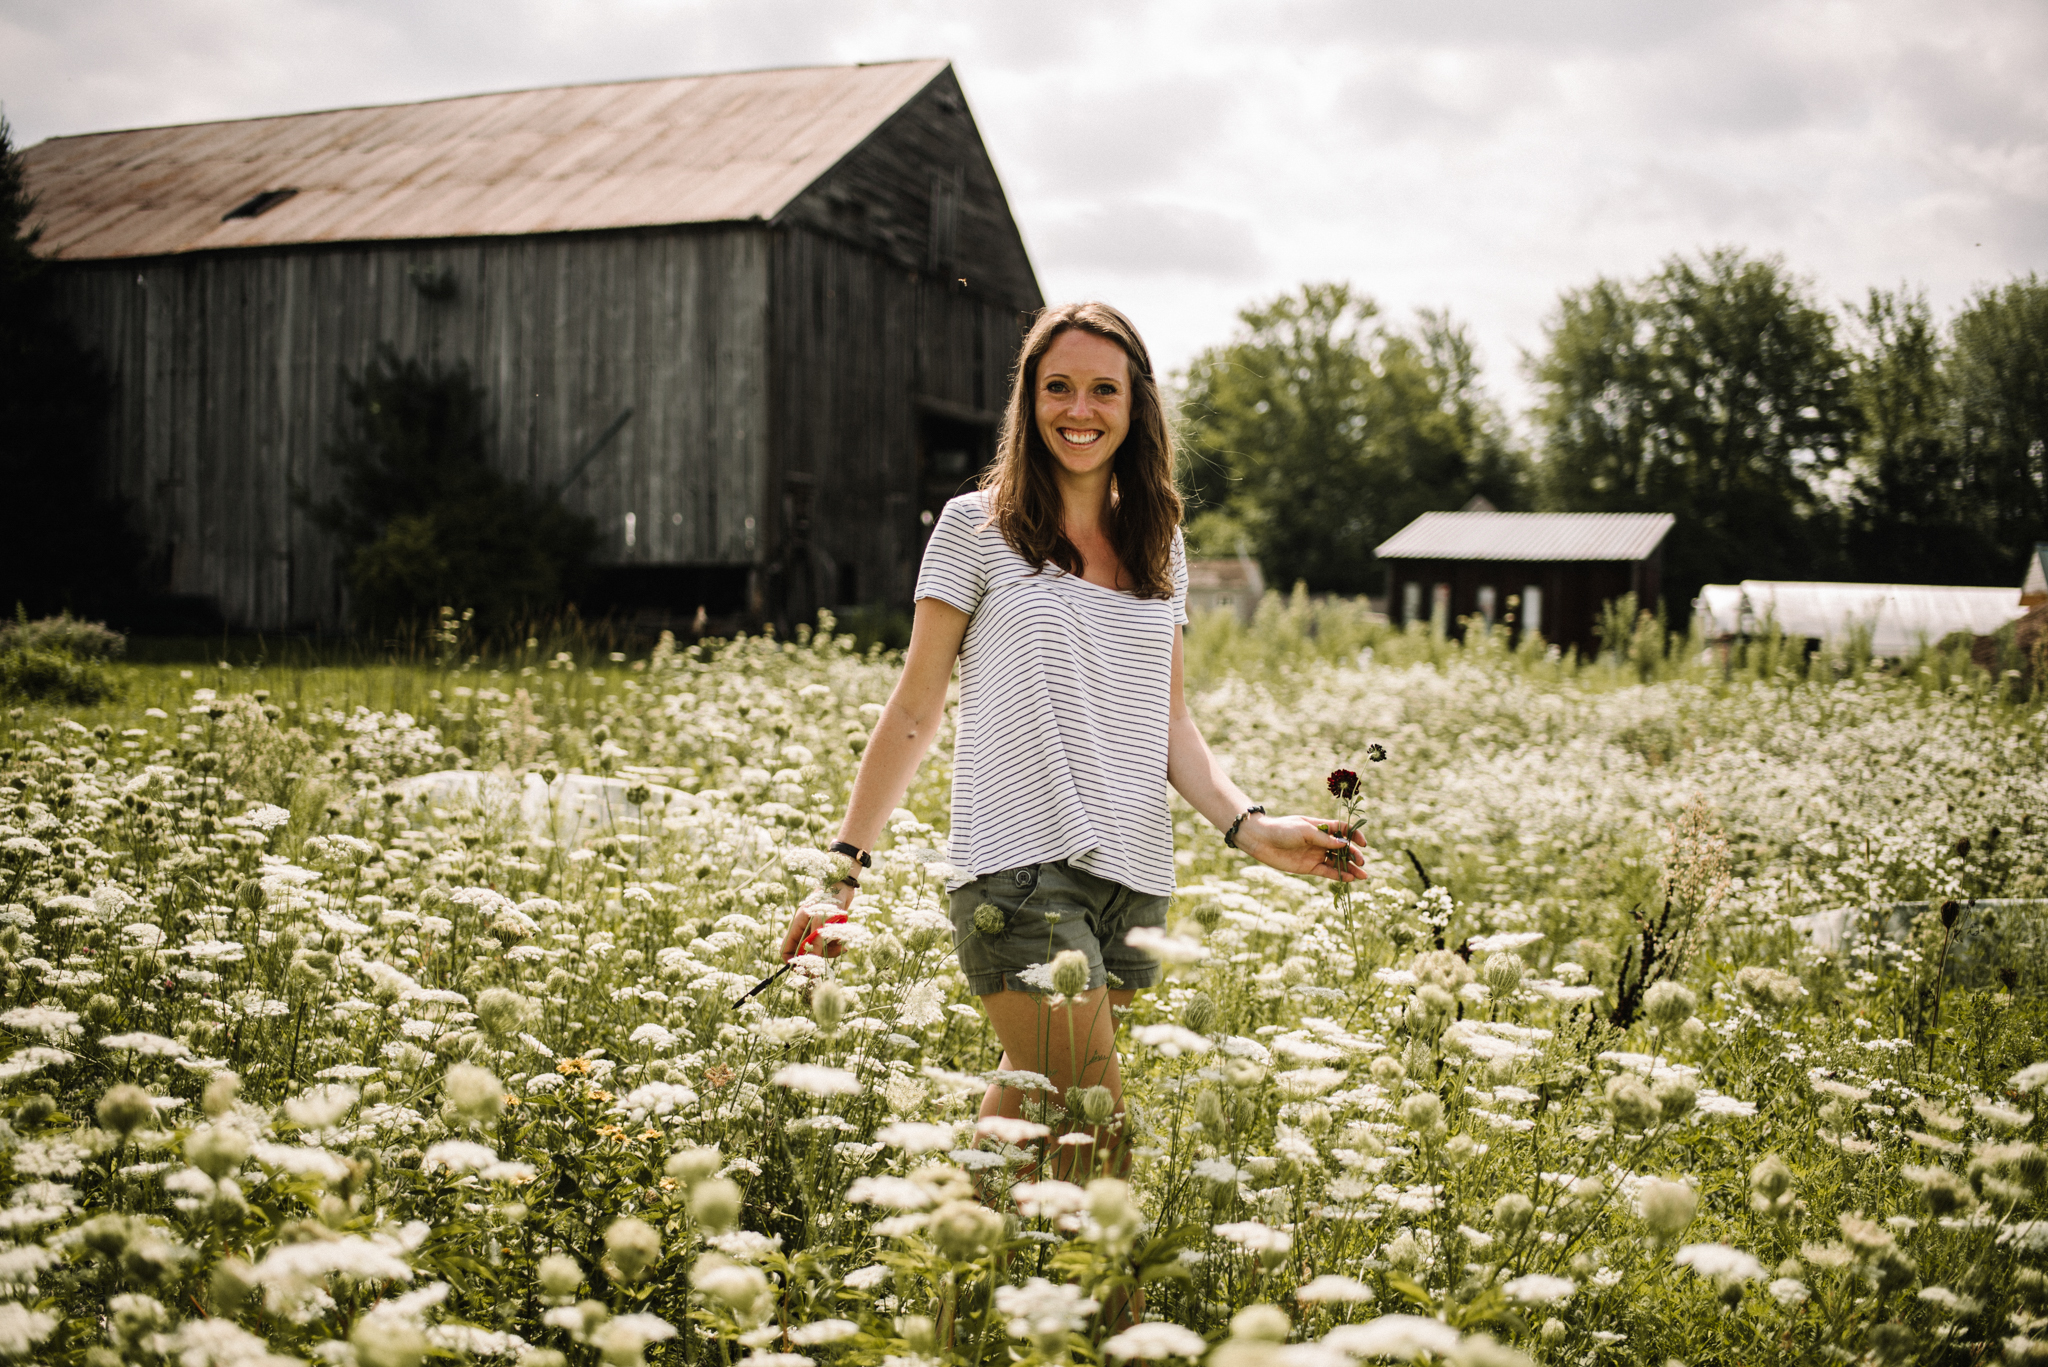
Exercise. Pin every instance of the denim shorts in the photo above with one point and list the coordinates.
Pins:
(1047, 908)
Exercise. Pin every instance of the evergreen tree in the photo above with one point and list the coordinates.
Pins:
(424, 520)
(68, 545)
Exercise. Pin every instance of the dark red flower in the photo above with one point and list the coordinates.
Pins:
(1375, 752)
(1343, 784)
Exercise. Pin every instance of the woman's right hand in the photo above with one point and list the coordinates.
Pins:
(815, 913)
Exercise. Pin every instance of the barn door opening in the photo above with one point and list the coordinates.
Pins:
(951, 454)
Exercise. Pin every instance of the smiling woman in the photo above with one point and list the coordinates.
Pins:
(1059, 587)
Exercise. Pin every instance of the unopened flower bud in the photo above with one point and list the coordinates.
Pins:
(1209, 1109)
(828, 1005)
(919, 1332)
(1676, 1096)
(501, 1011)
(1265, 1323)
(1504, 975)
(125, 1108)
(1554, 1330)
(963, 1230)
(559, 1276)
(1388, 1070)
(1633, 1103)
(715, 1204)
(1512, 1213)
(221, 1091)
(989, 919)
(1422, 1112)
(634, 1247)
(691, 1166)
(1667, 1004)
(1070, 973)
(1667, 1209)
(478, 1096)
(1093, 1104)
(1199, 1015)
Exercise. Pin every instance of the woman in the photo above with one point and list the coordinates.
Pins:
(1059, 586)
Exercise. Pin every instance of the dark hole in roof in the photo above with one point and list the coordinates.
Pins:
(259, 204)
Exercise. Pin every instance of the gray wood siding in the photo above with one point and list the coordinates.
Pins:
(862, 347)
(229, 369)
(922, 192)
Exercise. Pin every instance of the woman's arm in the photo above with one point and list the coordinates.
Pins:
(1295, 844)
(901, 737)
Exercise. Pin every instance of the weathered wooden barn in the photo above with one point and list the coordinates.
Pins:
(757, 325)
(1547, 573)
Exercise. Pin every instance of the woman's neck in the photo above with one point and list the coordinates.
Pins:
(1084, 504)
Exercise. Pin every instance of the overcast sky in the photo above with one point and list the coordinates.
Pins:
(1181, 158)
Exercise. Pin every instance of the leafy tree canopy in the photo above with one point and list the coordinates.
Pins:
(1319, 431)
(1714, 390)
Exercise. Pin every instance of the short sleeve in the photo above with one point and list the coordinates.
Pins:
(1180, 578)
(952, 570)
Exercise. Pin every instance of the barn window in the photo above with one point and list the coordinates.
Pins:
(1486, 602)
(258, 205)
(1532, 608)
(1411, 602)
(1439, 607)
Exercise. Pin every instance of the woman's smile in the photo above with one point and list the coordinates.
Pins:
(1083, 403)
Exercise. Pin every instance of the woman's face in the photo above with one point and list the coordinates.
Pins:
(1083, 400)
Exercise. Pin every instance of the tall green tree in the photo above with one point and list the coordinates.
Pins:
(1998, 370)
(1714, 390)
(69, 544)
(1914, 517)
(1319, 431)
(1952, 481)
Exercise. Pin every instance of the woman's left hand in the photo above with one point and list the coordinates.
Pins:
(1304, 845)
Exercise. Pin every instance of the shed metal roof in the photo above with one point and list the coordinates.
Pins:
(1528, 536)
(689, 149)
(1901, 618)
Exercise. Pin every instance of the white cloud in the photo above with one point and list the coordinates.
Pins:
(1183, 157)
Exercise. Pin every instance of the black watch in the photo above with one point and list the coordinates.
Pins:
(851, 851)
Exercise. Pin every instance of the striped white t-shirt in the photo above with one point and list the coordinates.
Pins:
(1065, 700)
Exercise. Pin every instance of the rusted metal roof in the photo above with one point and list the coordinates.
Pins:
(1528, 536)
(690, 149)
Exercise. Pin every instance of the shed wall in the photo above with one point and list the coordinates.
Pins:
(881, 374)
(229, 373)
(1573, 591)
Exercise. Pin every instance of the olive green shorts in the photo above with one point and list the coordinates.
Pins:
(1044, 909)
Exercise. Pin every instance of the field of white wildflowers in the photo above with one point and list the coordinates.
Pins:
(346, 1034)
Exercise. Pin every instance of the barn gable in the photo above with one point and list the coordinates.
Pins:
(699, 307)
(948, 218)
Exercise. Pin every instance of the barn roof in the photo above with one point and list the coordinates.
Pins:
(689, 149)
(1528, 536)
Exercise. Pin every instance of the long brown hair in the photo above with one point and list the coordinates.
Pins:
(1145, 507)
